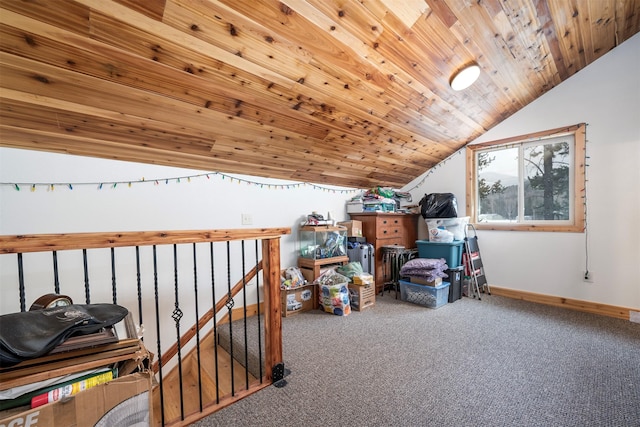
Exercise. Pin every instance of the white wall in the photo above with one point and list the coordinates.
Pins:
(200, 203)
(606, 96)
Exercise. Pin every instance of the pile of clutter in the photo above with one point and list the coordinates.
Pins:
(292, 278)
(381, 199)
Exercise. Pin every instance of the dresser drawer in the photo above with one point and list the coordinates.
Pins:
(389, 231)
(389, 227)
(391, 241)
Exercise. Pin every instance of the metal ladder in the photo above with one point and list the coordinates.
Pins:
(473, 264)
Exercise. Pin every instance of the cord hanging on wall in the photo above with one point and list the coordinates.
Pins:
(178, 180)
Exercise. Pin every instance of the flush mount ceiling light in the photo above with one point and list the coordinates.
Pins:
(465, 77)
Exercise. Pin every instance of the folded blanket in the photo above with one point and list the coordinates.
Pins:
(429, 275)
(422, 265)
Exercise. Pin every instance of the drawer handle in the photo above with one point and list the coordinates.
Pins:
(384, 221)
(384, 232)
(396, 221)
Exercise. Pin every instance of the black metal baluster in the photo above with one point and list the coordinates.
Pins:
(23, 306)
(155, 288)
(195, 292)
(56, 280)
(113, 276)
(244, 301)
(177, 315)
(229, 304)
(215, 326)
(215, 322)
(87, 291)
(260, 360)
(139, 284)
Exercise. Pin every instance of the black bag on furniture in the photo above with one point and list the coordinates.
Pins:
(30, 334)
(439, 205)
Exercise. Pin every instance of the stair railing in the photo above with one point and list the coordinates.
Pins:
(22, 273)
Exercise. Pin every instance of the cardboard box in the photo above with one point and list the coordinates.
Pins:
(354, 228)
(422, 281)
(110, 404)
(362, 296)
(297, 300)
(362, 279)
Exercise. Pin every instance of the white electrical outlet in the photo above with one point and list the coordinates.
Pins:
(247, 219)
(587, 276)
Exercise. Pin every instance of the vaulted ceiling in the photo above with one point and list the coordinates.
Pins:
(351, 92)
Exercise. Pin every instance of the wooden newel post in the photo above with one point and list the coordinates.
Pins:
(273, 317)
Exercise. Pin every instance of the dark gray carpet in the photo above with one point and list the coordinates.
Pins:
(495, 362)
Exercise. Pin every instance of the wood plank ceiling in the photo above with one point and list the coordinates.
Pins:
(345, 92)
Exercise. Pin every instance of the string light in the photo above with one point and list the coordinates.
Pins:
(51, 186)
(232, 179)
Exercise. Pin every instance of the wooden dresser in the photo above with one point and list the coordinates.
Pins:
(381, 229)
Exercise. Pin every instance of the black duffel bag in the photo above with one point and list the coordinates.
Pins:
(30, 334)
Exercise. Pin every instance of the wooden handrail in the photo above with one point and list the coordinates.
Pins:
(24, 243)
(191, 332)
(270, 238)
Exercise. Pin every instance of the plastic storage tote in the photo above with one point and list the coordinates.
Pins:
(428, 296)
(451, 252)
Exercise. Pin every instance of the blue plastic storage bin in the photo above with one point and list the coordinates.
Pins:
(451, 252)
(428, 296)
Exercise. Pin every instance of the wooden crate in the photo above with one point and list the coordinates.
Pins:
(362, 296)
(311, 268)
(297, 300)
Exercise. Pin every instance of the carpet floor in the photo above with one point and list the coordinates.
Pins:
(495, 362)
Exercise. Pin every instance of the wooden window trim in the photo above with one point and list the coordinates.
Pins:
(578, 223)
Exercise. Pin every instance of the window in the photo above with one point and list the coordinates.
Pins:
(530, 182)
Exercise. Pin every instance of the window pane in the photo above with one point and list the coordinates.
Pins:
(546, 183)
(528, 182)
(498, 185)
